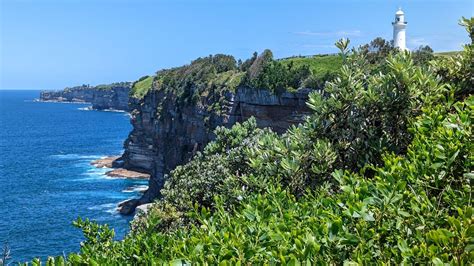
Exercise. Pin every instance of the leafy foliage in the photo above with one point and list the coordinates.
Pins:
(266, 73)
(191, 81)
(423, 55)
(377, 50)
(393, 217)
(457, 69)
(218, 170)
(357, 118)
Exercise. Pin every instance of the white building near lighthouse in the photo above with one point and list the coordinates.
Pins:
(399, 31)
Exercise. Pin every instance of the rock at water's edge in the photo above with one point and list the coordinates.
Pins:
(128, 174)
(107, 162)
(127, 207)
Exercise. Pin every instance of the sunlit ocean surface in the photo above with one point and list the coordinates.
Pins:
(46, 180)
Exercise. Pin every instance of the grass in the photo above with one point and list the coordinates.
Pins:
(230, 79)
(451, 53)
(319, 64)
(140, 88)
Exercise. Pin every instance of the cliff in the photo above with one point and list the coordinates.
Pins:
(114, 96)
(166, 134)
(175, 112)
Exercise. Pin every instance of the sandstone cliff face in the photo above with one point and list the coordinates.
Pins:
(113, 97)
(165, 134)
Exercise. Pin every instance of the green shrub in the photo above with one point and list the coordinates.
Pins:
(401, 214)
(458, 69)
(357, 118)
(219, 170)
(266, 73)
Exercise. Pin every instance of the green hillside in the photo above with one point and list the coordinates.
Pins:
(142, 86)
(318, 64)
(451, 53)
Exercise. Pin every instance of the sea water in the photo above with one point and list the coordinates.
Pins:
(46, 180)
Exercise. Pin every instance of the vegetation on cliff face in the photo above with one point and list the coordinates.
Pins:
(141, 86)
(219, 74)
(381, 172)
(113, 85)
(110, 86)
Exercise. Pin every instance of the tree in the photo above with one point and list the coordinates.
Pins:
(422, 55)
(377, 50)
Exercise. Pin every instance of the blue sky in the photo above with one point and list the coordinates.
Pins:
(50, 44)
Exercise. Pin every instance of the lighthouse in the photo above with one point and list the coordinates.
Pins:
(399, 30)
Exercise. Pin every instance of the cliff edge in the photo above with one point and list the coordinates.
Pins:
(174, 113)
(161, 140)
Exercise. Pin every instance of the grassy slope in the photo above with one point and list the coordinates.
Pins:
(142, 87)
(451, 53)
(319, 64)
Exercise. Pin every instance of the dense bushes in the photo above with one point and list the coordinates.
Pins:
(458, 69)
(415, 209)
(192, 81)
(217, 74)
(219, 170)
(266, 73)
(357, 118)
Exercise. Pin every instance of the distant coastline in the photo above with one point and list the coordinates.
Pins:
(112, 97)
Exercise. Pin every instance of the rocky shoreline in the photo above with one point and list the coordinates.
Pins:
(116, 163)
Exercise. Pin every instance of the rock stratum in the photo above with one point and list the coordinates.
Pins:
(113, 96)
(166, 134)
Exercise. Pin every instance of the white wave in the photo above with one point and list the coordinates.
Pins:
(107, 207)
(135, 188)
(96, 171)
(94, 174)
(113, 110)
(91, 108)
(103, 206)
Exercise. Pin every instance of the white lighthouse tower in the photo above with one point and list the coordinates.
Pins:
(399, 31)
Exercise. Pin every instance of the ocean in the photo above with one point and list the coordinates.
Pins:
(46, 180)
